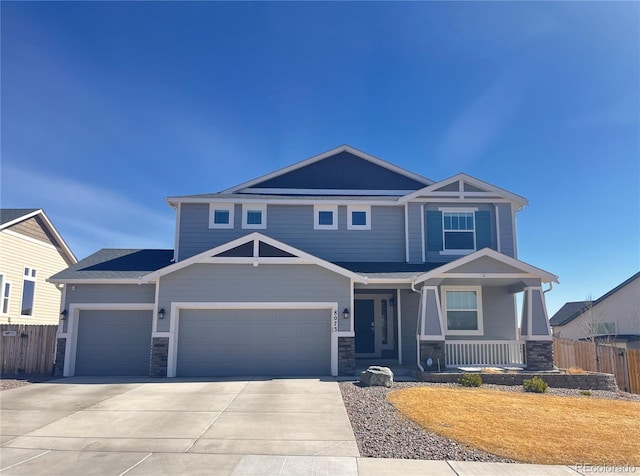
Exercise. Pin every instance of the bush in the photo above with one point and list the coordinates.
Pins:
(470, 380)
(586, 393)
(535, 385)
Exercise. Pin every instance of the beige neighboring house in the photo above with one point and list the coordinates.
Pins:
(31, 251)
(613, 318)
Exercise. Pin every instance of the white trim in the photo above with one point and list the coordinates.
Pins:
(20, 218)
(256, 248)
(352, 309)
(457, 209)
(324, 191)
(325, 208)
(515, 231)
(406, 231)
(358, 208)
(254, 207)
(73, 317)
(256, 260)
(34, 280)
(490, 275)
(431, 190)
(443, 329)
(498, 237)
(389, 280)
(324, 155)
(478, 290)
(63, 304)
(245, 198)
(156, 300)
(206, 255)
(176, 307)
(29, 239)
(422, 234)
(527, 268)
(224, 207)
(399, 314)
(3, 285)
(469, 211)
(176, 239)
(96, 281)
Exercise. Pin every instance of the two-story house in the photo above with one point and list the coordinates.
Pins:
(338, 260)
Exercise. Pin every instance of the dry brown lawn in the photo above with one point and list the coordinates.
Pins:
(532, 428)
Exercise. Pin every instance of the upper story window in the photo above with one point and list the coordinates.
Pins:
(5, 291)
(358, 217)
(221, 215)
(603, 328)
(325, 217)
(254, 215)
(28, 291)
(459, 230)
(463, 310)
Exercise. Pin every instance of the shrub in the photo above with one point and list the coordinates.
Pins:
(535, 385)
(470, 380)
(586, 393)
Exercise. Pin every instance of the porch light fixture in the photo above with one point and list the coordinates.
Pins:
(63, 315)
(345, 313)
(161, 313)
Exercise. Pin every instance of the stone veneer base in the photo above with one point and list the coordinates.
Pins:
(346, 355)
(159, 357)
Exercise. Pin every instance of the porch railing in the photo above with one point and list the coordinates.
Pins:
(498, 353)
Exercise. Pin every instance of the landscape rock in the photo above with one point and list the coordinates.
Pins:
(377, 376)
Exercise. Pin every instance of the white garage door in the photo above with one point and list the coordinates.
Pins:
(254, 342)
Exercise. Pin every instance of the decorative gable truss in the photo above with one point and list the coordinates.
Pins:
(255, 249)
(463, 187)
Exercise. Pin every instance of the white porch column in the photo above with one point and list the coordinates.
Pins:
(536, 331)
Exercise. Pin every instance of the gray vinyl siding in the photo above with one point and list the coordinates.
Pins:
(435, 256)
(499, 315)
(415, 232)
(245, 283)
(293, 224)
(112, 293)
(506, 231)
(410, 302)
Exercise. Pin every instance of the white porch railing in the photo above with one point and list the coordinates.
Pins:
(497, 352)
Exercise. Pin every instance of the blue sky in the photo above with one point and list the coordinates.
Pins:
(107, 108)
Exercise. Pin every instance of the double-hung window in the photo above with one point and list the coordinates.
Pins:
(458, 228)
(28, 291)
(221, 215)
(358, 217)
(254, 216)
(463, 310)
(325, 217)
(5, 290)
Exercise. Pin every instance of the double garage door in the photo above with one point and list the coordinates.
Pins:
(221, 342)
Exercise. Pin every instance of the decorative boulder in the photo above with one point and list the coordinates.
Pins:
(374, 375)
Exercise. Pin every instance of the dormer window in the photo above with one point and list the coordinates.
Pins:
(358, 217)
(254, 216)
(325, 217)
(221, 215)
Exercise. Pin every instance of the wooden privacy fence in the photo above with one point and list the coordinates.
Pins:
(28, 349)
(623, 363)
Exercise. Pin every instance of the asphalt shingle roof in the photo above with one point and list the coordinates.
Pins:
(566, 311)
(112, 263)
(10, 214)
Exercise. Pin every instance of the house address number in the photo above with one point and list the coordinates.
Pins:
(8, 333)
(334, 321)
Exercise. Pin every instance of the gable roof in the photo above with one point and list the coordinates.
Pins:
(464, 186)
(561, 317)
(115, 265)
(13, 216)
(218, 254)
(526, 268)
(376, 174)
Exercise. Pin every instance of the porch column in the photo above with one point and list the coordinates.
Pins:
(535, 330)
(431, 333)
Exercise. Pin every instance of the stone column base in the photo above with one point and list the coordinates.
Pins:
(159, 357)
(346, 355)
(539, 355)
(61, 348)
(433, 350)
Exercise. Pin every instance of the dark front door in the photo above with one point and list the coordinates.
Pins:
(364, 326)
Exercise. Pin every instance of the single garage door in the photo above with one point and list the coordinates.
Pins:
(254, 342)
(113, 343)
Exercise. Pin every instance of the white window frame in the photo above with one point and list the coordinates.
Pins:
(29, 277)
(445, 309)
(593, 327)
(445, 251)
(358, 208)
(261, 207)
(3, 298)
(325, 208)
(227, 207)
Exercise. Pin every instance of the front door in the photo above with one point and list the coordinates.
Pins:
(365, 326)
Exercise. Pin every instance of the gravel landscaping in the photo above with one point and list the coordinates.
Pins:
(382, 432)
(7, 382)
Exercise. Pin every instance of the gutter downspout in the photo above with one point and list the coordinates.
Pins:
(550, 288)
(413, 288)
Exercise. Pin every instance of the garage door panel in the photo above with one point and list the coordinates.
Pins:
(254, 342)
(113, 343)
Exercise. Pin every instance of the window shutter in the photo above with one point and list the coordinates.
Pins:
(483, 230)
(434, 231)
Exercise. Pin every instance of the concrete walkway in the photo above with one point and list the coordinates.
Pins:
(83, 426)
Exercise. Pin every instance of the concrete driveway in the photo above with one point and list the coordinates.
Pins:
(139, 426)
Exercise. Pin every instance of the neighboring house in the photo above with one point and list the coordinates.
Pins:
(31, 250)
(613, 318)
(340, 260)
